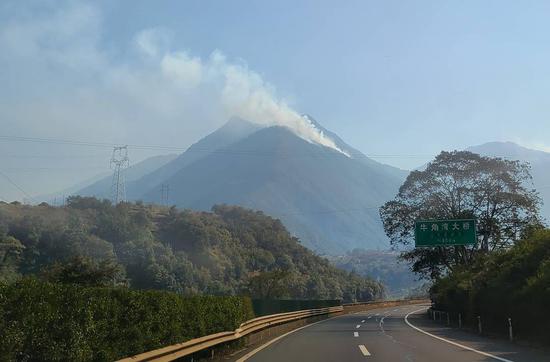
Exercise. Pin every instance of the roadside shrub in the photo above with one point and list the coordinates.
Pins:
(511, 284)
(42, 321)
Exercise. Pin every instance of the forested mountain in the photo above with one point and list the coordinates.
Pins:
(327, 199)
(228, 251)
(539, 161)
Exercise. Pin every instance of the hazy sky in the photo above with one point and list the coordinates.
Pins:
(403, 79)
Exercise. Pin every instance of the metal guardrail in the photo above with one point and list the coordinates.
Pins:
(179, 350)
(378, 303)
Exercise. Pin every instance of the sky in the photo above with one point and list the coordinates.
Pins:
(398, 80)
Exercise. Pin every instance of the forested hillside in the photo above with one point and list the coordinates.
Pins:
(228, 251)
(324, 197)
(383, 266)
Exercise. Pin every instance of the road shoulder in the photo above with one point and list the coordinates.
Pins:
(502, 349)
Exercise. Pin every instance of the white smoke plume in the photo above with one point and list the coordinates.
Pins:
(240, 91)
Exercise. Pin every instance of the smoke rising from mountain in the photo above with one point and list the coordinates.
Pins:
(240, 91)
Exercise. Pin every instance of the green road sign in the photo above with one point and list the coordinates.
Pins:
(445, 232)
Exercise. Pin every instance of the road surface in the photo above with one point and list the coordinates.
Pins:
(388, 334)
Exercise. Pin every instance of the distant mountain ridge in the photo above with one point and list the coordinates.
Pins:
(539, 161)
(330, 201)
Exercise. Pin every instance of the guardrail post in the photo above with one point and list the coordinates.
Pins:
(479, 324)
(510, 331)
(459, 320)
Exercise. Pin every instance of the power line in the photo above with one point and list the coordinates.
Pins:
(192, 148)
(54, 157)
(327, 152)
(15, 169)
(330, 211)
(16, 185)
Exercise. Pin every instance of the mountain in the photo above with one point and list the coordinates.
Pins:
(234, 130)
(384, 266)
(330, 201)
(57, 197)
(102, 188)
(539, 161)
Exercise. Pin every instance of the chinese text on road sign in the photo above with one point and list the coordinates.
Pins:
(445, 232)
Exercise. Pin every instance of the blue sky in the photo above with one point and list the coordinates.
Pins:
(400, 78)
(430, 75)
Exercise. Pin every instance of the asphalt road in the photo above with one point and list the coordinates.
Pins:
(384, 335)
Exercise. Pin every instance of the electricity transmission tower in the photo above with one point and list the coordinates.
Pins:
(119, 162)
(164, 189)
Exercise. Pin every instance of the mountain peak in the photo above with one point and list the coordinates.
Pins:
(238, 126)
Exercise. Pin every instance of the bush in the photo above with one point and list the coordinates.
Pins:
(45, 321)
(511, 284)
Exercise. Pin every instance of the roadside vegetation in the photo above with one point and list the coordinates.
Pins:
(513, 283)
(42, 321)
(94, 281)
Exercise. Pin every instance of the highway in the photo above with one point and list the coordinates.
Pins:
(388, 334)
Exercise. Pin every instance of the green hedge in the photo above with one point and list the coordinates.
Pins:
(45, 322)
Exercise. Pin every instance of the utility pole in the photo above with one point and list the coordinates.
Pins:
(164, 189)
(119, 163)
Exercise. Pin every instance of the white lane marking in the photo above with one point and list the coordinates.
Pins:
(395, 310)
(377, 314)
(364, 350)
(369, 317)
(381, 324)
(356, 334)
(253, 352)
(358, 326)
(451, 342)
(363, 321)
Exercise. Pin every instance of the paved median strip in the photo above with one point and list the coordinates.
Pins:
(364, 350)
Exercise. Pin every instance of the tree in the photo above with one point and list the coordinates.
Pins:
(269, 285)
(456, 185)
(10, 254)
(84, 271)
